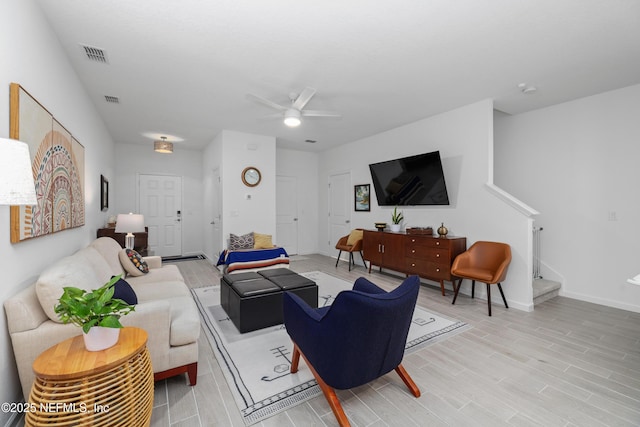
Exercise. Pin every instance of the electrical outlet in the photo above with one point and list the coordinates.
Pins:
(613, 216)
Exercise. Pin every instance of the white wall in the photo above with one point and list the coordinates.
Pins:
(464, 138)
(32, 57)
(211, 160)
(304, 167)
(244, 209)
(577, 163)
(133, 160)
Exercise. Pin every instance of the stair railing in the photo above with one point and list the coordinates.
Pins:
(537, 231)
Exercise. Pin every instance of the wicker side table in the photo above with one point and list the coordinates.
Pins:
(112, 387)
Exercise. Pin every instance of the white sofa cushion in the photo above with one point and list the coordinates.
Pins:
(185, 321)
(109, 248)
(168, 273)
(152, 291)
(75, 270)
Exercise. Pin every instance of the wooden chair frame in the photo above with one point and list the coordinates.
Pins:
(329, 392)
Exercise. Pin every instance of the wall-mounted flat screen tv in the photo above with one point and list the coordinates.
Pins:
(409, 181)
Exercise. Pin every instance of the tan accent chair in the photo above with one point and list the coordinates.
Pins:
(486, 262)
(351, 243)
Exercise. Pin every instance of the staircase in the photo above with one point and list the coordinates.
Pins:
(544, 290)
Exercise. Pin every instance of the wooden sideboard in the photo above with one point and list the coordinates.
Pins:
(427, 256)
(140, 242)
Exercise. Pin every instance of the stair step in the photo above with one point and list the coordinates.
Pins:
(544, 290)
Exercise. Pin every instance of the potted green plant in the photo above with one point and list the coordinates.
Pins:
(96, 312)
(396, 219)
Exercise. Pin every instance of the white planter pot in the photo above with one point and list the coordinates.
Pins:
(100, 338)
(394, 227)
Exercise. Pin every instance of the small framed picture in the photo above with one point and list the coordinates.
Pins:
(104, 193)
(362, 197)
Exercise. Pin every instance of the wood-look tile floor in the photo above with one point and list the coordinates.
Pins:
(568, 363)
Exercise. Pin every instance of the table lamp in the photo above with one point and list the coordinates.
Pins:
(129, 223)
(16, 176)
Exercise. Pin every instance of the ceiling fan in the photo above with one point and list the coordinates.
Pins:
(293, 113)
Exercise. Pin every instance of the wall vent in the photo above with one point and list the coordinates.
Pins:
(95, 54)
(112, 99)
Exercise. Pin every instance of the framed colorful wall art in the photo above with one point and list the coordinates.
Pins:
(57, 161)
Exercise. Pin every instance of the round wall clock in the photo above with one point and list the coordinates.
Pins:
(251, 176)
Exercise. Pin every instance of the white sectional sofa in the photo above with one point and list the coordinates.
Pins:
(165, 310)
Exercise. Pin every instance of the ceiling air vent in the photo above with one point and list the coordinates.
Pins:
(112, 99)
(95, 54)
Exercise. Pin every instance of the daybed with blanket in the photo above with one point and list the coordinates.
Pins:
(252, 252)
(165, 309)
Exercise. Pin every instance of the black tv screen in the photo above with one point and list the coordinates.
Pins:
(413, 180)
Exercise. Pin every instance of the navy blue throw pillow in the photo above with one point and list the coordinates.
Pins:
(123, 290)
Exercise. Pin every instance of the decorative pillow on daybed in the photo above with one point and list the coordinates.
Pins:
(262, 241)
(246, 241)
(133, 263)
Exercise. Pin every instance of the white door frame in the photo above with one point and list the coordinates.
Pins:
(182, 216)
(347, 223)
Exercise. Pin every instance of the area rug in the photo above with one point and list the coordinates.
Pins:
(256, 364)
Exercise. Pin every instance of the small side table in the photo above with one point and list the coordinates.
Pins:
(112, 387)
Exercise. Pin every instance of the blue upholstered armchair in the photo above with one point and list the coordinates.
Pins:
(357, 339)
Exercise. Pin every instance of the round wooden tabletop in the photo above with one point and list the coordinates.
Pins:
(69, 359)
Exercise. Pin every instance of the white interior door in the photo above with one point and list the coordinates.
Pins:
(160, 201)
(287, 213)
(216, 212)
(339, 207)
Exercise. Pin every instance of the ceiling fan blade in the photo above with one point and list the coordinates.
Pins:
(265, 101)
(319, 113)
(303, 98)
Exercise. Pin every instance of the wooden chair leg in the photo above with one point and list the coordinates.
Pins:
(489, 297)
(295, 359)
(408, 380)
(328, 391)
(442, 287)
(503, 298)
(338, 260)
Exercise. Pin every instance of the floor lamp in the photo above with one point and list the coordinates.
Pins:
(16, 175)
(129, 223)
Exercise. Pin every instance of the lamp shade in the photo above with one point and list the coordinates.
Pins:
(130, 223)
(164, 147)
(16, 176)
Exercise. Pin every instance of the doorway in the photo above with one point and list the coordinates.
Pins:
(160, 201)
(287, 213)
(216, 219)
(339, 207)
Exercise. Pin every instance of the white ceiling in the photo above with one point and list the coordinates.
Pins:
(183, 68)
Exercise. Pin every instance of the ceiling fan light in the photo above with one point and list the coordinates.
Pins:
(292, 118)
